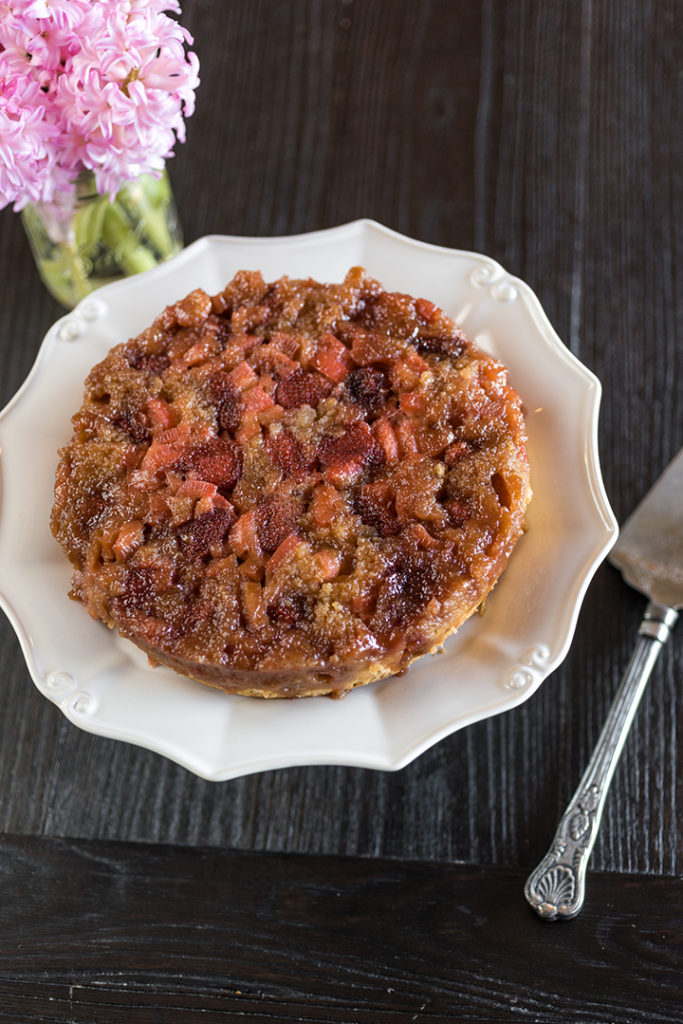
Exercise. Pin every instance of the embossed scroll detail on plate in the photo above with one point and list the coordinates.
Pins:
(532, 670)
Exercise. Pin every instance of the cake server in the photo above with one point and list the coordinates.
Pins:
(649, 553)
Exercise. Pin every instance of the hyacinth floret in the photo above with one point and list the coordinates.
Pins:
(99, 85)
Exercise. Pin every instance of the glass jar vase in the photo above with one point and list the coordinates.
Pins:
(82, 240)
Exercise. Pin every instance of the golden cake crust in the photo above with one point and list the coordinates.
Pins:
(292, 489)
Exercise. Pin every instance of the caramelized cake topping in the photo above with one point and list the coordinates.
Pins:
(292, 488)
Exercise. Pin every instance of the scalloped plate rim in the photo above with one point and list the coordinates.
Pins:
(582, 575)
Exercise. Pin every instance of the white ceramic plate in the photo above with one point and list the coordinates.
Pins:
(104, 685)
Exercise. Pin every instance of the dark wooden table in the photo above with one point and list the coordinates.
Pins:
(548, 135)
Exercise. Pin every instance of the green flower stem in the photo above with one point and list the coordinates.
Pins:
(117, 233)
(146, 201)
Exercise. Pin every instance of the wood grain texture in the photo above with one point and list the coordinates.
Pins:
(95, 931)
(548, 136)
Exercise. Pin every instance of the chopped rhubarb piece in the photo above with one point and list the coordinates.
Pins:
(326, 506)
(407, 439)
(160, 413)
(413, 403)
(328, 563)
(243, 376)
(289, 344)
(271, 415)
(193, 309)
(251, 568)
(129, 539)
(256, 399)
(252, 604)
(332, 358)
(283, 551)
(425, 308)
(196, 488)
(422, 536)
(200, 351)
(270, 358)
(249, 429)
(158, 456)
(431, 440)
(176, 436)
(413, 361)
(289, 454)
(386, 438)
(243, 536)
(405, 373)
(302, 388)
(241, 344)
(455, 452)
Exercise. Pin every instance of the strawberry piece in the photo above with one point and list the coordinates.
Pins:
(287, 609)
(276, 519)
(219, 461)
(367, 386)
(344, 458)
(302, 388)
(222, 393)
(149, 362)
(289, 454)
(374, 505)
(200, 535)
(457, 512)
(134, 425)
(332, 358)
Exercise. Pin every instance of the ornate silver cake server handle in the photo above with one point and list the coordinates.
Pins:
(649, 553)
(556, 889)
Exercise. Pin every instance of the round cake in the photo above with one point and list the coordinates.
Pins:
(292, 489)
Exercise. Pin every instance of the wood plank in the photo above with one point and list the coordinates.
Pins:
(92, 930)
(548, 136)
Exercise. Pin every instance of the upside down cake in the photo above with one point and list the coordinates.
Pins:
(292, 489)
